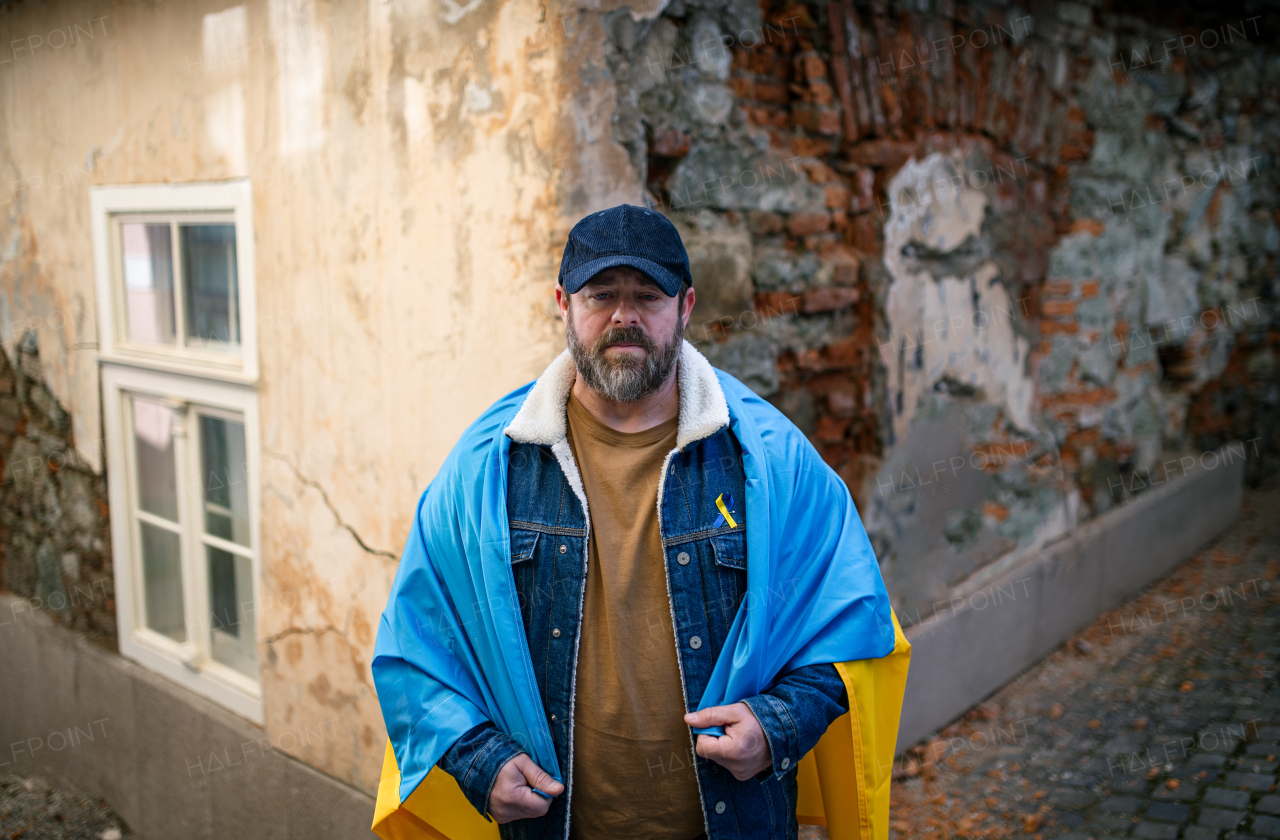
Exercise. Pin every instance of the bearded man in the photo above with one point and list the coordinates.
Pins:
(622, 604)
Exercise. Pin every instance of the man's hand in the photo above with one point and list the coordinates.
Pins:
(512, 797)
(742, 750)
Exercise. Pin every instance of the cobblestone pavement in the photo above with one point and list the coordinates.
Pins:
(32, 810)
(1159, 721)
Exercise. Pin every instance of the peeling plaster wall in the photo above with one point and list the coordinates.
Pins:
(414, 167)
(965, 260)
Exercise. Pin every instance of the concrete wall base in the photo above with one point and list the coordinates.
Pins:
(991, 633)
(172, 765)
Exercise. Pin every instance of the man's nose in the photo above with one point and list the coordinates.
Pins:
(625, 313)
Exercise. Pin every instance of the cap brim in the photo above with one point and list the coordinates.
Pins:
(668, 282)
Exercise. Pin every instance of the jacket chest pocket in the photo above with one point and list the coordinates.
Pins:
(725, 591)
(523, 544)
(730, 549)
(523, 568)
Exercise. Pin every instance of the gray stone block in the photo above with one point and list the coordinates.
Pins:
(1266, 826)
(1122, 804)
(1073, 800)
(1168, 812)
(1269, 805)
(1199, 832)
(1251, 781)
(1224, 798)
(1112, 823)
(1218, 818)
(1207, 760)
(1185, 793)
(1155, 831)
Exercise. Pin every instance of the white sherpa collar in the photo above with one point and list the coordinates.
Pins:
(541, 418)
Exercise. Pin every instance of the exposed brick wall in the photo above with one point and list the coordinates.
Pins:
(1129, 218)
(55, 542)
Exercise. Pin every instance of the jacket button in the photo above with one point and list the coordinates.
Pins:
(683, 558)
(695, 642)
(563, 548)
(556, 632)
(719, 807)
(553, 717)
(786, 762)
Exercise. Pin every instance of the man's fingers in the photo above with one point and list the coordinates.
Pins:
(537, 777)
(709, 746)
(531, 804)
(714, 716)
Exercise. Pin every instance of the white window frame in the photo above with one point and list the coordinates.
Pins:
(217, 380)
(227, 200)
(188, 663)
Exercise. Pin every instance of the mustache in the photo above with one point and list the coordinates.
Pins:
(624, 335)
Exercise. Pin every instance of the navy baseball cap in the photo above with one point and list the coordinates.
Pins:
(625, 235)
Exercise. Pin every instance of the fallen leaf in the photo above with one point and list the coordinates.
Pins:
(990, 801)
(1187, 686)
(1173, 784)
(1031, 823)
(1140, 724)
(1040, 794)
(1153, 772)
(1055, 711)
(1095, 723)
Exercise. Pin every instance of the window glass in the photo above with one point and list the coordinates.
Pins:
(223, 462)
(148, 283)
(210, 285)
(232, 635)
(226, 515)
(157, 473)
(162, 581)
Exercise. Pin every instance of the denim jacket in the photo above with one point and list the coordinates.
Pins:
(705, 561)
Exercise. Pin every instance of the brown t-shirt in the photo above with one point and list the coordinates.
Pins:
(633, 774)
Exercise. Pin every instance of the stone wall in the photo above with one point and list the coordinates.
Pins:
(55, 545)
(1008, 267)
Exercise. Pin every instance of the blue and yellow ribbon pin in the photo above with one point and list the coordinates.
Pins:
(724, 512)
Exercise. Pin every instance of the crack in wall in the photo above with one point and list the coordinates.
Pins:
(296, 631)
(332, 509)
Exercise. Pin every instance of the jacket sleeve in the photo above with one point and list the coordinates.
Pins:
(796, 711)
(475, 759)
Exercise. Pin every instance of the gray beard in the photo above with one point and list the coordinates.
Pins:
(628, 379)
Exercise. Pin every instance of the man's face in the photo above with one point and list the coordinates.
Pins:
(623, 332)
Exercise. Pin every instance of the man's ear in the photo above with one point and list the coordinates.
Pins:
(562, 301)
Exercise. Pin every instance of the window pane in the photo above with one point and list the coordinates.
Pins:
(231, 624)
(210, 285)
(222, 470)
(157, 473)
(162, 580)
(148, 282)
